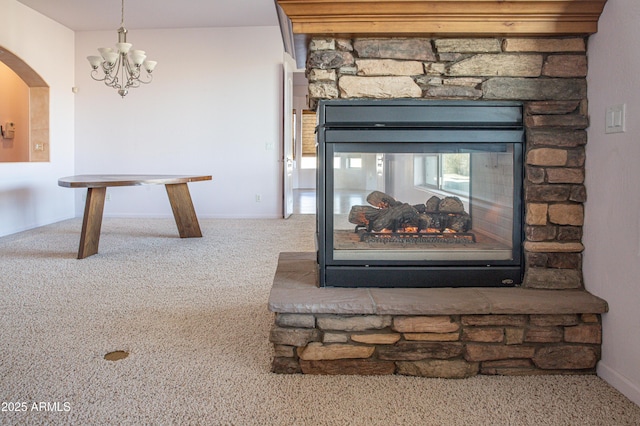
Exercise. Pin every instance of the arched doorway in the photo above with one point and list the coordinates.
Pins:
(37, 115)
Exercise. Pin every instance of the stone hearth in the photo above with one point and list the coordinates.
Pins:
(430, 332)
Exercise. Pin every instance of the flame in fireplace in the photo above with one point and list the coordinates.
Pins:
(417, 230)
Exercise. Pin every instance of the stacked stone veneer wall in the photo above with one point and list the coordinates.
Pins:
(447, 346)
(547, 74)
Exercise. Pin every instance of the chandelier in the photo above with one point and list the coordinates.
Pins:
(122, 67)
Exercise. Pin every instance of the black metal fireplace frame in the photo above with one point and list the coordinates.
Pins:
(371, 124)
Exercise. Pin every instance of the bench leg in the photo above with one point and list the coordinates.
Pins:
(92, 222)
(183, 210)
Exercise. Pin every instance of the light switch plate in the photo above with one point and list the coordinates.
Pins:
(615, 119)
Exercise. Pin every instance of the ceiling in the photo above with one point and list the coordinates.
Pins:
(95, 15)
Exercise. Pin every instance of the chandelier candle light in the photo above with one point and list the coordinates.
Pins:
(122, 66)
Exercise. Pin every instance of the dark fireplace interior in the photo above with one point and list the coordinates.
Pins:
(419, 193)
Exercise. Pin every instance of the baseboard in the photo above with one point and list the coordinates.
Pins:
(621, 383)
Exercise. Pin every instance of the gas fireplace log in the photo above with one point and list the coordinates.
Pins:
(382, 200)
(430, 221)
(361, 215)
(446, 204)
(451, 205)
(433, 204)
(438, 214)
(459, 222)
(378, 219)
(390, 218)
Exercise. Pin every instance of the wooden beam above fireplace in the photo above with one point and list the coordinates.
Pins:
(302, 19)
(444, 17)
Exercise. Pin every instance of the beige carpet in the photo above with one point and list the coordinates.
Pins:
(192, 314)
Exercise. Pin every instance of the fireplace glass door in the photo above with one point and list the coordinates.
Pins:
(420, 198)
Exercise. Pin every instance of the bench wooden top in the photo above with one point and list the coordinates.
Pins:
(177, 190)
(103, 181)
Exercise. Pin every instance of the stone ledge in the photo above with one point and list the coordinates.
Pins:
(295, 291)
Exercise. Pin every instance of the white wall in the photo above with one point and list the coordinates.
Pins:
(29, 192)
(214, 107)
(612, 212)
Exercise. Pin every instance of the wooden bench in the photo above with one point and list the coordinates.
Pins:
(177, 190)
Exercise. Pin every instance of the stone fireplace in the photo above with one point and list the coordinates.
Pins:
(547, 325)
(547, 75)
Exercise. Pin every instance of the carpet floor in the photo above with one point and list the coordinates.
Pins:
(192, 315)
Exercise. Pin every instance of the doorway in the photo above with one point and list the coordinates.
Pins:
(298, 156)
(24, 114)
